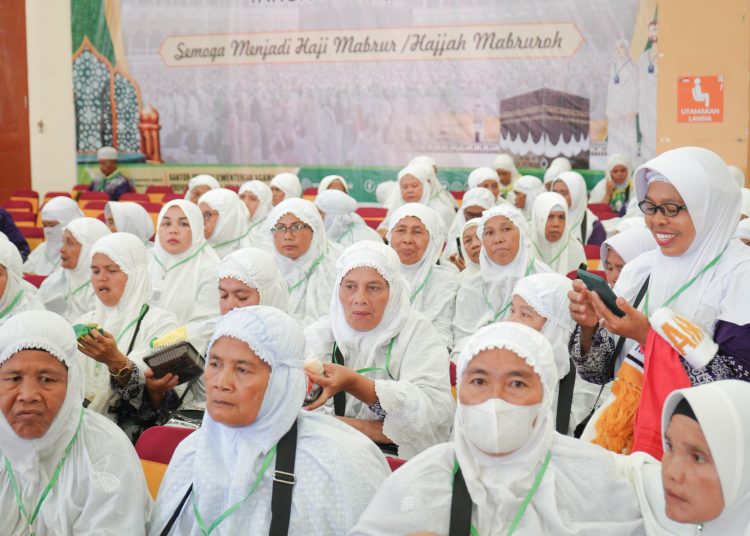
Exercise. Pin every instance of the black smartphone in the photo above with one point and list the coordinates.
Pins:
(458, 244)
(596, 284)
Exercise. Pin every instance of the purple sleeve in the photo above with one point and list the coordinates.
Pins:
(8, 226)
(123, 188)
(598, 234)
(732, 361)
(733, 340)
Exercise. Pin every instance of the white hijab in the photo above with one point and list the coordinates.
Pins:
(423, 174)
(258, 235)
(257, 269)
(480, 175)
(131, 218)
(326, 181)
(628, 244)
(475, 197)
(579, 204)
(310, 277)
(567, 253)
(64, 210)
(232, 228)
(506, 163)
(551, 174)
(471, 266)
(531, 187)
(562, 163)
(343, 225)
(16, 297)
(438, 188)
(386, 193)
(738, 175)
(201, 180)
(745, 210)
(289, 184)
(743, 230)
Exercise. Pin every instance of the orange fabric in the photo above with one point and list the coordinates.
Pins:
(662, 373)
(614, 427)
(154, 473)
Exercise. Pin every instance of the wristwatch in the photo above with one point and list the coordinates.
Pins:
(123, 372)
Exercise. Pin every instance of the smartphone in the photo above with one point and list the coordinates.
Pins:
(596, 284)
(458, 244)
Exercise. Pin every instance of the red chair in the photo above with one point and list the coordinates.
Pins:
(372, 212)
(93, 209)
(24, 219)
(50, 195)
(458, 195)
(602, 211)
(77, 189)
(233, 187)
(155, 447)
(394, 463)
(171, 197)
(33, 235)
(132, 196)
(310, 192)
(34, 279)
(373, 223)
(592, 252)
(27, 195)
(13, 205)
(93, 196)
(157, 192)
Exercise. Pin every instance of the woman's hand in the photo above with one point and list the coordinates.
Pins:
(157, 388)
(634, 325)
(458, 261)
(581, 306)
(336, 378)
(103, 348)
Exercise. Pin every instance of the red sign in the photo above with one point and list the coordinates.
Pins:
(700, 99)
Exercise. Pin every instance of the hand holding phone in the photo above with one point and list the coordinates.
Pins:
(596, 284)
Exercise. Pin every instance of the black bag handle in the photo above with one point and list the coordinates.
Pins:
(565, 400)
(176, 513)
(339, 399)
(144, 309)
(461, 505)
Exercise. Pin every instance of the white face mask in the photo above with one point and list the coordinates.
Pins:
(498, 427)
(53, 237)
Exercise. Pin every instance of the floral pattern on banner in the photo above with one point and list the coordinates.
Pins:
(126, 99)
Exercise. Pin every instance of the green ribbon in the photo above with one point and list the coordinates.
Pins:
(420, 288)
(309, 272)
(12, 304)
(183, 261)
(386, 369)
(232, 509)
(52, 481)
(529, 267)
(76, 291)
(526, 501)
(345, 233)
(226, 243)
(141, 314)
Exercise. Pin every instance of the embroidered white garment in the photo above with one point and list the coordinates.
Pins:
(100, 488)
(257, 269)
(531, 187)
(233, 225)
(185, 284)
(334, 464)
(343, 225)
(326, 181)
(485, 297)
(46, 256)
(422, 173)
(310, 277)
(415, 392)
(201, 180)
(258, 236)
(131, 218)
(289, 184)
(578, 210)
(130, 254)
(563, 255)
(15, 297)
(432, 286)
(579, 493)
(475, 197)
(68, 292)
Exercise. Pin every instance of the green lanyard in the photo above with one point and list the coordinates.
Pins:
(183, 261)
(217, 246)
(141, 314)
(310, 271)
(232, 509)
(386, 369)
(421, 287)
(76, 291)
(345, 233)
(687, 285)
(12, 304)
(52, 481)
(558, 253)
(256, 224)
(525, 503)
(529, 267)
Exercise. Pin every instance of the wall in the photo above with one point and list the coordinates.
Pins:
(703, 38)
(48, 39)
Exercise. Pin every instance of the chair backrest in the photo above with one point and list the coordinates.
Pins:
(592, 251)
(27, 195)
(93, 196)
(171, 197)
(372, 212)
(19, 205)
(151, 207)
(23, 219)
(133, 196)
(156, 193)
(233, 187)
(602, 211)
(458, 195)
(34, 279)
(33, 235)
(50, 195)
(155, 448)
(394, 463)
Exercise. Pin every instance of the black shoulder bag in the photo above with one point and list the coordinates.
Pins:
(339, 399)
(565, 399)
(283, 486)
(461, 504)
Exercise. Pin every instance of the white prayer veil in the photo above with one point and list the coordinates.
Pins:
(233, 225)
(131, 218)
(326, 181)
(257, 269)
(532, 188)
(288, 183)
(201, 180)
(565, 254)
(64, 210)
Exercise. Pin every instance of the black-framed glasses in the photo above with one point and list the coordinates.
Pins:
(667, 209)
(293, 228)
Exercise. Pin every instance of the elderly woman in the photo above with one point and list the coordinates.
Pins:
(199, 185)
(129, 217)
(551, 234)
(506, 471)
(226, 221)
(285, 186)
(343, 225)
(222, 476)
(416, 234)
(389, 372)
(15, 296)
(250, 276)
(304, 256)
(257, 198)
(66, 470)
(68, 290)
(488, 178)
(57, 213)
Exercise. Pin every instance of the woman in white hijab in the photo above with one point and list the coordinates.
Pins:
(226, 467)
(385, 193)
(305, 257)
(415, 188)
(114, 358)
(505, 258)
(696, 272)
(66, 470)
(333, 182)
(526, 189)
(199, 185)
(257, 198)
(702, 485)
(56, 214)
(436, 187)
(486, 178)
(285, 186)
(129, 217)
(68, 290)
(226, 221)
(183, 271)
(250, 276)
(623, 248)
(616, 188)
(15, 297)
(390, 361)
(471, 247)
(551, 235)
(518, 475)
(507, 172)
(742, 232)
(745, 208)
(475, 201)
(584, 225)
(343, 225)
(416, 233)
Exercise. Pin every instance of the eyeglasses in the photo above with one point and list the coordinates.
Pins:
(667, 209)
(294, 228)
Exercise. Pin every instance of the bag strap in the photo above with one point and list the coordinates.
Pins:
(176, 513)
(565, 400)
(142, 314)
(584, 221)
(283, 483)
(339, 399)
(461, 505)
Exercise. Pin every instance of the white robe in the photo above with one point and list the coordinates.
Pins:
(16, 296)
(567, 253)
(46, 257)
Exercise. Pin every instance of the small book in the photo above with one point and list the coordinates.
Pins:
(179, 358)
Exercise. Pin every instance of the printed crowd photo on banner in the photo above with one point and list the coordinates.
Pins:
(242, 90)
